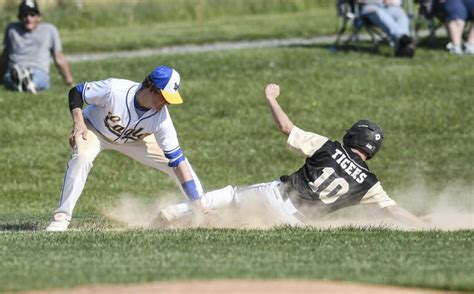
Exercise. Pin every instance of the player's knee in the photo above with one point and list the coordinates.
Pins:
(83, 158)
(218, 198)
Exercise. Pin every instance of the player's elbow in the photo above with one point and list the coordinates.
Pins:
(59, 57)
(286, 128)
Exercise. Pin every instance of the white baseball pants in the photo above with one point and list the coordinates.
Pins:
(145, 151)
(266, 194)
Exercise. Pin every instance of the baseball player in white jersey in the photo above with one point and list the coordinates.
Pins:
(128, 117)
(333, 176)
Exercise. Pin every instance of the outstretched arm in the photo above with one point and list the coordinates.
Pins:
(79, 128)
(183, 173)
(272, 91)
(404, 216)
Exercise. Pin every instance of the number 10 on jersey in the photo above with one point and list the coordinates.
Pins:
(326, 184)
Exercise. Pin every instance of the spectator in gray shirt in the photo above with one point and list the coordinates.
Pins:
(28, 46)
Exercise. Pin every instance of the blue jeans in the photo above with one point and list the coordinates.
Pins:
(391, 19)
(40, 78)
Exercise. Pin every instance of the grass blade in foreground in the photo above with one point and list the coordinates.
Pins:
(441, 260)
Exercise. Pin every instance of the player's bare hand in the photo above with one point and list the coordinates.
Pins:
(78, 130)
(272, 91)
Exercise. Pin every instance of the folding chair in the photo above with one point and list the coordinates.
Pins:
(431, 15)
(349, 13)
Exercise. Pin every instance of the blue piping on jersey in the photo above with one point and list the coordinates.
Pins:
(140, 120)
(156, 111)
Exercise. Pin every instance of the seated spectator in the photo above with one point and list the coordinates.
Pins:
(390, 17)
(28, 46)
(457, 12)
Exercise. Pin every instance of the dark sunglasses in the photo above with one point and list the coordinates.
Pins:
(31, 13)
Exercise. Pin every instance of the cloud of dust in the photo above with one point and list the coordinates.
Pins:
(449, 209)
(136, 212)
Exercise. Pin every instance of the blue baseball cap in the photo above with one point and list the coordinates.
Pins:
(167, 80)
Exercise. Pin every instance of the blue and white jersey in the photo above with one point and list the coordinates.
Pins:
(111, 110)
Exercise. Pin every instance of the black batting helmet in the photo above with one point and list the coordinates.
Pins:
(366, 136)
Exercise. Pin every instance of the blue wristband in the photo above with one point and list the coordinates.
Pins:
(190, 189)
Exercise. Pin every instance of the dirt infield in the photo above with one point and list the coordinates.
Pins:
(241, 286)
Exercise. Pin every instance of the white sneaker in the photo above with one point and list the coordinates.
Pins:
(455, 49)
(469, 48)
(60, 223)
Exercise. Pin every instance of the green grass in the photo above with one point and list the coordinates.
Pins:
(231, 28)
(113, 26)
(370, 256)
(92, 14)
(424, 106)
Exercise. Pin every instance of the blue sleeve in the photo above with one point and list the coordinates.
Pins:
(175, 157)
(190, 190)
(80, 88)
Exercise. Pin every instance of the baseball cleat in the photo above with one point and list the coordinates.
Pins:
(27, 83)
(17, 78)
(161, 222)
(169, 214)
(60, 223)
(171, 217)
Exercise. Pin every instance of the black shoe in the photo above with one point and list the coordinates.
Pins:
(17, 78)
(406, 47)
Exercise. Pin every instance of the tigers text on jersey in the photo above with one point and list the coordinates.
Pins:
(333, 177)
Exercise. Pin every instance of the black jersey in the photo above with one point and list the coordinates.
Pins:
(332, 178)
